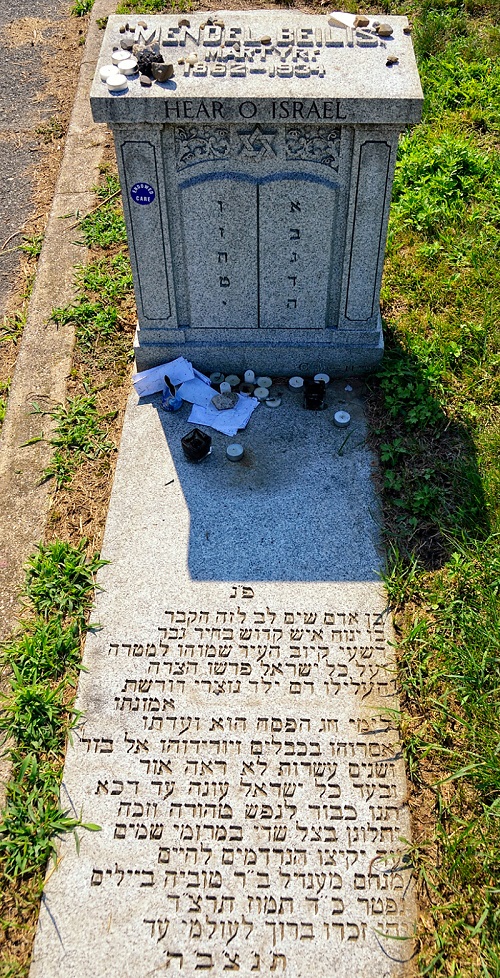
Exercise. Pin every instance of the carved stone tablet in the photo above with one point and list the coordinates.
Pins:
(268, 114)
(237, 745)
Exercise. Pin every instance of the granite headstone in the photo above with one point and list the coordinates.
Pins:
(257, 182)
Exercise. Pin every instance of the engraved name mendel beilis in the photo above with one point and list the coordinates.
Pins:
(307, 144)
(237, 52)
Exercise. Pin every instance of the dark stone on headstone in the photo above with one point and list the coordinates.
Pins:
(162, 72)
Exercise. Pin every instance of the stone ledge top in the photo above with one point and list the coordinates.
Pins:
(278, 66)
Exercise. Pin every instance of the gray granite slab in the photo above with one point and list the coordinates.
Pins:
(310, 72)
(237, 744)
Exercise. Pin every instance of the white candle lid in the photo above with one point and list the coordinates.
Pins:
(120, 55)
(296, 383)
(341, 419)
(217, 378)
(264, 382)
(324, 377)
(128, 67)
(249, 376)
(233, 379)
(261, 393)
(273, 402)
(116, 82)
(234, 451)
(107, 70)
(225, 387)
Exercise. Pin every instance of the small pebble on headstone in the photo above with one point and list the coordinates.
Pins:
(392, 60)
(348, 387)
(184, 22)
(384, 30)
(145, 81)
(162, 72)
(361, 21)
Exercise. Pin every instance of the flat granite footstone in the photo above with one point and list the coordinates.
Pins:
(236, 743)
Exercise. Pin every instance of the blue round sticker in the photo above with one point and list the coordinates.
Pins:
(142, 193)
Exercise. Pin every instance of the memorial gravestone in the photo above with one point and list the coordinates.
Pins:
(237, 742)
(257, 181)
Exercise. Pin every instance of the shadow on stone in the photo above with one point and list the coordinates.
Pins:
(299, 506)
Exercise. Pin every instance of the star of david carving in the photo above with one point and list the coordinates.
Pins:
(257, 143)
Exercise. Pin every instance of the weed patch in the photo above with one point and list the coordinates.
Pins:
(80, 433)
(43, 660)
(154, 6)
(82, 7)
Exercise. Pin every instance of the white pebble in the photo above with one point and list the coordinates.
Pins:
(348, 387)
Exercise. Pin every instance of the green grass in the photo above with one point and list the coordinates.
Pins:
(4, 391)
(153, 7)
(43, 661)
(81, 7)
(80, 434)
(102, 285)
(435, 417)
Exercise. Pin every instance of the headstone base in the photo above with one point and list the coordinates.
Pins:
(353, 352)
